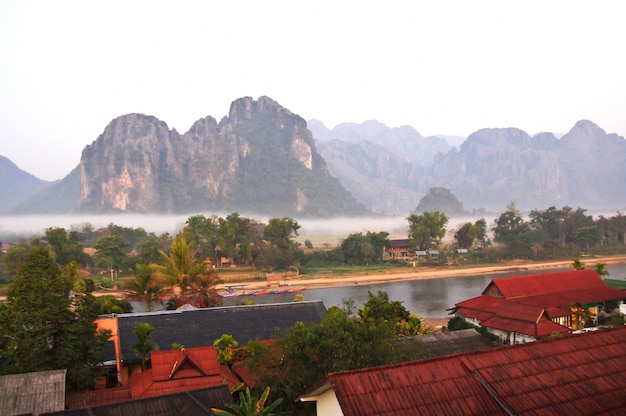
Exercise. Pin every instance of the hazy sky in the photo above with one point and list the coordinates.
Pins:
(444, 67)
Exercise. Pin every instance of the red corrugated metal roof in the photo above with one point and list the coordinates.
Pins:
(575, 374)
(540, 284)
(481, 307)
(526, 297)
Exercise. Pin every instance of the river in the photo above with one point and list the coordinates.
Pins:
(425, 298)
(428, 298)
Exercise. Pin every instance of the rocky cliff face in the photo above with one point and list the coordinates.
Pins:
(261, 159)
(490, 169)
(384, 168)
(496, 166)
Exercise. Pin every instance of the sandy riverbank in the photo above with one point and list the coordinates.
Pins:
(436, 273)
(431, 273)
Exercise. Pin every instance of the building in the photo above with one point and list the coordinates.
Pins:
(398, 249)
(201, 327)
(580, 374)
(527, 308)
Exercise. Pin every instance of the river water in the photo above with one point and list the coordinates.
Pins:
(425, 298)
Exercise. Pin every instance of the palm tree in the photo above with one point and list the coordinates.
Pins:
(144, 345)
(145, 286)
(193, 277)
(180, 266)
(203, 286)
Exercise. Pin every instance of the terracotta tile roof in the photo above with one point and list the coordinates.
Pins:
(574, 374)
(201, 327)
(188, 403)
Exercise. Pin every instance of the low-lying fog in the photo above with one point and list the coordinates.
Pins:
(25, 226)
(18, 227)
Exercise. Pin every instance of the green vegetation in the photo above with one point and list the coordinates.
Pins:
(144, 345)
(344, 339)
(44, 327)
(248, 405)
(427, 230)
(457, 324)
(255, 247)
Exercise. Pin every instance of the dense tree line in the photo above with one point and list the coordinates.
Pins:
(541, 234)
(553, 232)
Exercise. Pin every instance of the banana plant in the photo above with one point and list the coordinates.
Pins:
(248, 405)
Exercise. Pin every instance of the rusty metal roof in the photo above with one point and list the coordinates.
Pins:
(521, 303)
(546, 283)
(573, 374)
(439, 344)
(188, 403)
(32, 393)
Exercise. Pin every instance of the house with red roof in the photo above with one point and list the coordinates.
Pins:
(179, 370)
(531, 307)
(172, 371)
(581, 374)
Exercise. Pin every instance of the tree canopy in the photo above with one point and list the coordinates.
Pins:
(48, 322)
(342, 340)
(427, 230)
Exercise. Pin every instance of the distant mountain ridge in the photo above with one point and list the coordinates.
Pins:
(16, 184)
(490, 169)
(263, 159)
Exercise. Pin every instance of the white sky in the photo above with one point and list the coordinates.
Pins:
(444, 67)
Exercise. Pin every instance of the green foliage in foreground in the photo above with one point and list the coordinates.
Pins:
(457, 324)
(248, 405)
(344, 339)
(43, 328)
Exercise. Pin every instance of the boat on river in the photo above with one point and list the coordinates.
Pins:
(261, 292)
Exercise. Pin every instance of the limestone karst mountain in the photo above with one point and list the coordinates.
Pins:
(261, 159)
(492, 167)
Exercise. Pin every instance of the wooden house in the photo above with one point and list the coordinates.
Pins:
(398, 249)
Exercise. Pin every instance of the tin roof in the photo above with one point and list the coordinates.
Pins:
(439, 344)
(32, 393)
(518, 303)
(546, 283)
(201, 327)
(188, 403)
(574, 374)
